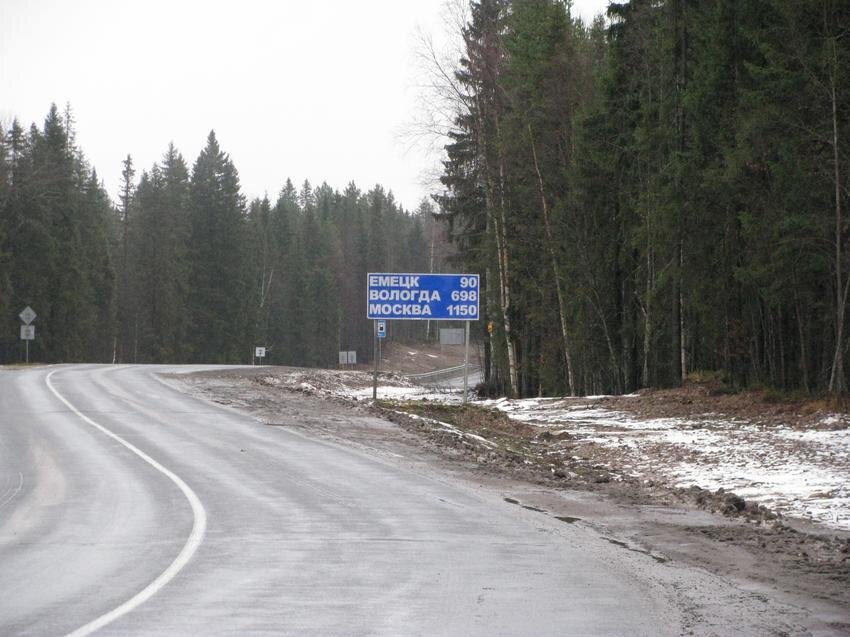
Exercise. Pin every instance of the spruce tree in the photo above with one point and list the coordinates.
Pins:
(217, 274)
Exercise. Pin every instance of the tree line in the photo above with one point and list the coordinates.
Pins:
(657, 193)
(183, 268)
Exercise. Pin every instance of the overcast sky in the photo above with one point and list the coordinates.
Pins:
(315, 90)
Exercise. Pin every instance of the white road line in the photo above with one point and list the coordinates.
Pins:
(196, 537)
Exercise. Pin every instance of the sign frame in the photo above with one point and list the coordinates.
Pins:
(423, 296)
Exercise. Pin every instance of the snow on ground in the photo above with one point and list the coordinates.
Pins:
(357, 386)
(389, 392)
(798, 473)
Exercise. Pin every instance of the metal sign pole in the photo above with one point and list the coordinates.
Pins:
(375, 354)
(466, 365)
(28, 351)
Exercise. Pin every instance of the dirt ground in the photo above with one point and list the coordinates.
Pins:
(800, 564)
(711, 397)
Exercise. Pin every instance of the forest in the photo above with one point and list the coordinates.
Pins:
(652, 197)
(182, 269)
(655, 196)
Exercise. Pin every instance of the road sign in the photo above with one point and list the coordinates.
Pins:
(451, 336)
(27, 315)
(260, 352)
(422, 297)
(348, 358)
(382, 329)
(27, 332)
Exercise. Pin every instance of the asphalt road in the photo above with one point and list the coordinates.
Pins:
(130, 507)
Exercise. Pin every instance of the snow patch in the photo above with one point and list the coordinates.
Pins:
(804, 474)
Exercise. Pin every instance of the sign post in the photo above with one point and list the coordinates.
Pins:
(422, 297)
(466, 365)
(27, 315)
(375, 356)
(259, 352)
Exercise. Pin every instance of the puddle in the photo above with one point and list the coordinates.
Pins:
(657, 558)
(524, 506)
(563, 518)
(530, 508)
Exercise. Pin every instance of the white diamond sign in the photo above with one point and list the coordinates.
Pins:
(27, 315)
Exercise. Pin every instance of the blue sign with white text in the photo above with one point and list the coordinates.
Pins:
(422, 297)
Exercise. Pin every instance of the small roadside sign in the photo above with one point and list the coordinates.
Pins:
(382, 329)
(451, 336)
(27, 315)
(27, 332)
(260, 352)
(348, 357)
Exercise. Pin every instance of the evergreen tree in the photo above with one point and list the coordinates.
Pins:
(217, 273)
(127, 339)
(159, 259)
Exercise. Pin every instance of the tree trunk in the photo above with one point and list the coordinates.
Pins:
(504, 271)
(500, 237)
(836, 378)
(550, 248)
(804, 363)
(683, 352)
(647, 312)
(431, 269)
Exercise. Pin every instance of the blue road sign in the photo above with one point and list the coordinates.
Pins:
(422, 297)
(382, 329)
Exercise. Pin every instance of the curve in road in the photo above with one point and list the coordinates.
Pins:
(303, 535)
(194, 540)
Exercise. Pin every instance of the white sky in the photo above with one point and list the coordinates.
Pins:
(316, 90)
